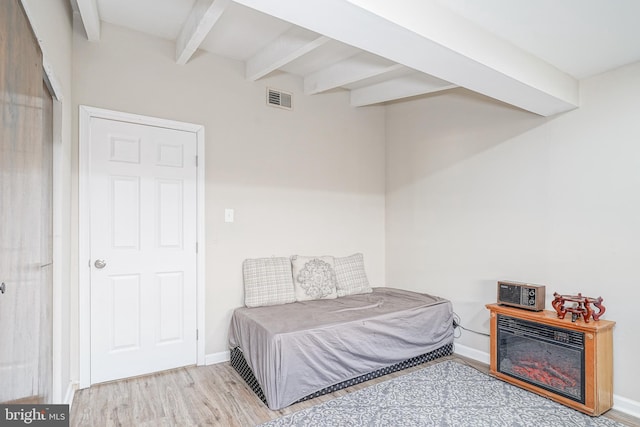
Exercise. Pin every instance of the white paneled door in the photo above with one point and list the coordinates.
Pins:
(143, 249)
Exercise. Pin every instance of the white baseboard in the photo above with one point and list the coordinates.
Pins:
(628, 406)
(471, 353)
(71, 392)
(622, 404)
(213, 358)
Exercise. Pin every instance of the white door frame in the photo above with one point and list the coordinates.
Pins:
(86, 113)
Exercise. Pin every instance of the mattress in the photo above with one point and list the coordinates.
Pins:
(297, 349)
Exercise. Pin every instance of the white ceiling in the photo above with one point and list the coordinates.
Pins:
(530, 54)
(580, 37)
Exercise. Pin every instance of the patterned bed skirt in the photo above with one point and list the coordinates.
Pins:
(240, 365)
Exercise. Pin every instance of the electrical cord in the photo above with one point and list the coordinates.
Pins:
(458, 324)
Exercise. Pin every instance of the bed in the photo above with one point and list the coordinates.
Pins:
(294, 351)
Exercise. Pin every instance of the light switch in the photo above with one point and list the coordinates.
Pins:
(228, 215)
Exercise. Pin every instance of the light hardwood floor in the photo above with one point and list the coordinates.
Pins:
(212, 395)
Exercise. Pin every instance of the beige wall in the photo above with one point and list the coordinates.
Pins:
(478, 191)
(307, 181)
(51, 21)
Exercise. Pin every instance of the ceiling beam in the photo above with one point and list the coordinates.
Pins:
(290, 46)
(390, 90)
(355, 69)
(90, 18)
(426, 36)
(203, 17)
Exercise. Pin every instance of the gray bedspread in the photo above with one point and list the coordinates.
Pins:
(296, 349)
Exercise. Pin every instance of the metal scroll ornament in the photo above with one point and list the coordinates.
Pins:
(580, 306)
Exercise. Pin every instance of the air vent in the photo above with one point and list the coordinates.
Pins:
(278, 98)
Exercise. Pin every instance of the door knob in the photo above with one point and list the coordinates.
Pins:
(3, 288)
(100, 263)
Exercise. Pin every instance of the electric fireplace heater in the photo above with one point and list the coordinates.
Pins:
(545, 356)
(569, 361)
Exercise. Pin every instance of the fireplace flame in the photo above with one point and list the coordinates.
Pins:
(560, 378)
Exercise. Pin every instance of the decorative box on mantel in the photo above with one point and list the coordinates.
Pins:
(569, 362)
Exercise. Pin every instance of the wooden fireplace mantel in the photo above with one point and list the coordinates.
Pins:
(598, 354)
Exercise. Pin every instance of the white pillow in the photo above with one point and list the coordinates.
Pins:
(267, 281)
(313, 277)
(350, 275)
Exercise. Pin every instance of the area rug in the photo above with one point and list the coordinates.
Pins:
(445, 394)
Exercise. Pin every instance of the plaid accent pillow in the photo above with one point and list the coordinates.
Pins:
(350, 275)
(267, 281)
